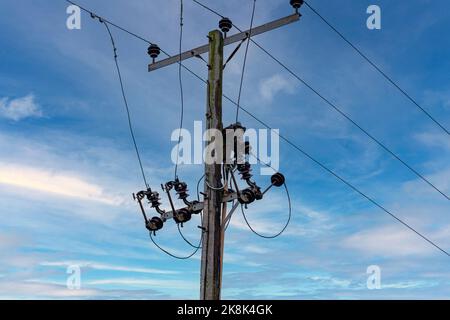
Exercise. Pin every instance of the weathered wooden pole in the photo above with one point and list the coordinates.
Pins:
(211, 263)
(214, 209)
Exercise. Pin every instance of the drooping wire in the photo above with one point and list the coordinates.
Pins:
(288, 141)
(214, 188)
(185, 239)
(282, 230)
(245, 61)
(347, 183)
(198, 186)
(126, 103)
(199, 246)
(180, 80)
(201, 216)
(173, 255)
(377, 68)
(137, 149)
(337, 109)
(289, 203)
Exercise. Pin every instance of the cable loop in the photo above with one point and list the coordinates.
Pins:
(173, 255)
(282, 230)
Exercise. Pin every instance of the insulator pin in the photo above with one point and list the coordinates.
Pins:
(182, 215)
(225, 25)
(153, 51)
(181, 189)
(277, 179)
(296, 4)
(247, 196)
(154, 224)
(245, 171)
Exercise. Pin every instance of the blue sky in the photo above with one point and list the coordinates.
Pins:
(67, 166)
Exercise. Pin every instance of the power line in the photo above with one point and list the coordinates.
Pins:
(201, 215)
(110, 22)
(135, 144)
(388, 78)
(289, 204)
(180, 80)
(198, 186)
(126, 103)
(245, 61)
(298, 148)
(336, 108)
(115, 25)
(185, 239)
(175, 256)
(282, 230)
(201, 218)
(357, 50)
(295, 146)
(213, 11)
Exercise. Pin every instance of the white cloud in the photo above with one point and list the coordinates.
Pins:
(255, 249)
(102, 266)
(441, 179)
(391, 241)
(332, 281)
(434, 140)
(11, 258)
(37, 289)
(270, 217)
(438, 99)
(164, 283)
(270, 87)
(31, 290)
(407, 285)
(57, 183)
(20, 108)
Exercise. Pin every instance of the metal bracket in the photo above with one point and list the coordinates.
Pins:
(195, 207)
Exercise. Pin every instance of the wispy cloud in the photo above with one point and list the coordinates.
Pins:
(408, 285)
(274, 85)
(255, 249)
(388, 241)
(30, 289)
(36, 289)
(434, 140)
(266, 219)
(160, 283)
(82, 158)
(438, 99)
(109, 267)
(331, 281)
(19, 108)
(57, 183)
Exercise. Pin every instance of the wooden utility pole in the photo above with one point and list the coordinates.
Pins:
(211, 264)
(214, 219)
